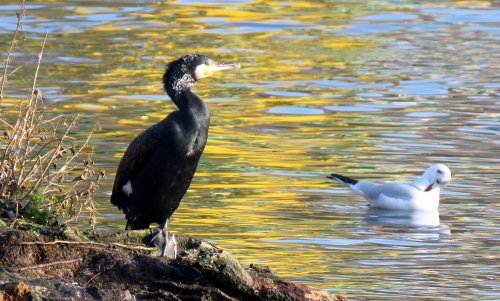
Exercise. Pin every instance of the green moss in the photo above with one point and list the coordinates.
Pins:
(35, 212)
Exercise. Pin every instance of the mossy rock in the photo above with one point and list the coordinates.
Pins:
(107, 264)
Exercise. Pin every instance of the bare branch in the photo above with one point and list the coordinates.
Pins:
(49, 264)
(36, 145)
(19, 26)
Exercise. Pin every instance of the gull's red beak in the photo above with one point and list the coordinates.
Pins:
(429, 188)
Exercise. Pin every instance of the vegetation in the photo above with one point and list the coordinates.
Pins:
(46, 175)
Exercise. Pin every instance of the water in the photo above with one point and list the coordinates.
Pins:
(375, 91)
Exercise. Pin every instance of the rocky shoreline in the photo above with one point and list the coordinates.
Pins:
(64, 264)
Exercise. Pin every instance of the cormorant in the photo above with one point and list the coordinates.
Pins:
(158, 166)
(422, 194)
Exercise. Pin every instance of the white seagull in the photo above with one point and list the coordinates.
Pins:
(422, 194)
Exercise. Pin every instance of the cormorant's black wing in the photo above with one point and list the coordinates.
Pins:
(135, 157)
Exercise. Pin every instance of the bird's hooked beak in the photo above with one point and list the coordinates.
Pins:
(206, 70)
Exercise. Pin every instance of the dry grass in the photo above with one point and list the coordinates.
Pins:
(20, 17)
(45, 173)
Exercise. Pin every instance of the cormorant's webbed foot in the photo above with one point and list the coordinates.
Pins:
(165, 242)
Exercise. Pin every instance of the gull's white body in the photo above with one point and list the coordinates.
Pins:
(397, 196)
(420, 195)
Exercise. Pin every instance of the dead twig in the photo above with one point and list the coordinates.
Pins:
(19, 26)
(108, 245)
(91, 279)
(44, 265)
(39, 62)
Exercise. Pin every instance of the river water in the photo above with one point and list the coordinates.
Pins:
(376, 90)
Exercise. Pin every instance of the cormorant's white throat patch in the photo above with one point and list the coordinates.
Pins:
(127, 188)
(203, 71)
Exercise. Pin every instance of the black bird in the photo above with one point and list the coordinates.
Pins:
(158, 166)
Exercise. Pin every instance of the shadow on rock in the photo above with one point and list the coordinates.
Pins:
(62, 263)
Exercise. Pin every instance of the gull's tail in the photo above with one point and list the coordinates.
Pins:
(341, 179)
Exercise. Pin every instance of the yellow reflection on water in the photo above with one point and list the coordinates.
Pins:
(316, 94)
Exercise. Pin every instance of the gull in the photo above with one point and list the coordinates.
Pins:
(420, 195)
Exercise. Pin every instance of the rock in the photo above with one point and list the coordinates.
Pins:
(64, 264)
(15, 291)
(43, 289)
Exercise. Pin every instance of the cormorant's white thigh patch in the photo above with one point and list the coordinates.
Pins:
(127, 188)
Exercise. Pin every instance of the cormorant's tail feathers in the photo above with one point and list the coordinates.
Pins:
(341, 179)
